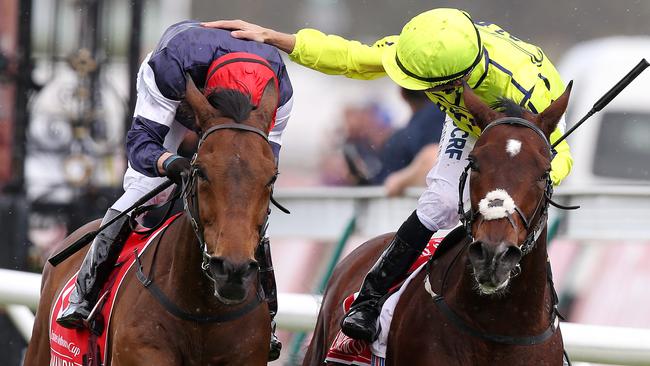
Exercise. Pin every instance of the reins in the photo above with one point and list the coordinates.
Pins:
(146, 208)
(535, 225)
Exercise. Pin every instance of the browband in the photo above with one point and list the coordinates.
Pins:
(519, 121)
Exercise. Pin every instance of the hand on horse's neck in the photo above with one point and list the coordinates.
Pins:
(526, 302)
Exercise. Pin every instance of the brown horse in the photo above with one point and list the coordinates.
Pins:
(215, 286)
(486, 297)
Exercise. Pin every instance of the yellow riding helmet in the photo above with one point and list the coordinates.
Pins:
(434, 48)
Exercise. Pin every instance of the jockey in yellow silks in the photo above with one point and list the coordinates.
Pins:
(498, 65)
(438, 52)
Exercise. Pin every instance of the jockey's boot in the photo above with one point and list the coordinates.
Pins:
(95, 269)
(405, 247)
(267, 280)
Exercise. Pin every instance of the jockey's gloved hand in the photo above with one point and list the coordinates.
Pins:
(176, 167)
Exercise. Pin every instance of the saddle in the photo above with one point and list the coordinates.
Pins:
(86, 347)
(348, 351)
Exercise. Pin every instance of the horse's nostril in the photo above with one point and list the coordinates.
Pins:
(253, 267)
(219, 267)
(476, 252)
(232, 272)
(511, 256)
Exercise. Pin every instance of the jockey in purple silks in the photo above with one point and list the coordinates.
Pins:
(153, 140)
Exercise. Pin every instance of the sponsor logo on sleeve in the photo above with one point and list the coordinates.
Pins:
(456, 143)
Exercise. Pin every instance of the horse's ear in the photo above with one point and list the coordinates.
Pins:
(200, 105)
(549, 118)
(481, 112)
(268, 103)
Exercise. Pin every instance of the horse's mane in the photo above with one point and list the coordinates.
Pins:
(232, 103)
(509, 107)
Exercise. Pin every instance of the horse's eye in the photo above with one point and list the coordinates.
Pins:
(201, 173)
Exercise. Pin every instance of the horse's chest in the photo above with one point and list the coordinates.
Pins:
(421, 335)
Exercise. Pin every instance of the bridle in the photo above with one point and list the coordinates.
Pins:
(534, 228)
(191, 207)
(190, 197)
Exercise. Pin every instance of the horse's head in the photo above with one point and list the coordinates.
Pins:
(509, 186)
(229, 191)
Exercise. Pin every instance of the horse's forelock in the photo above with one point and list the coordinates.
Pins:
(510, 108)
(231, 103)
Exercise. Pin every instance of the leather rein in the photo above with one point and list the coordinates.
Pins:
(534, 229)
(191, 208)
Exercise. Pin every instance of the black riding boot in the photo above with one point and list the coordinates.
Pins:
(407, 245)
(95, 269)
(267, 280)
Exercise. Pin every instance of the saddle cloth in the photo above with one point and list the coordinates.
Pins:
(347, 351)
(81, 347)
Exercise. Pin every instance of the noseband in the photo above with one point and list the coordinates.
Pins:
(190, 197)
(534, 229)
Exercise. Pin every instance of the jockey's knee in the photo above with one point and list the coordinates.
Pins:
(438, 213)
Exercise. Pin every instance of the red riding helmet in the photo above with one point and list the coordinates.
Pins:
(246, 72)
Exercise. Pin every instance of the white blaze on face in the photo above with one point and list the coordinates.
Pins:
(513, 147)
(496, 204)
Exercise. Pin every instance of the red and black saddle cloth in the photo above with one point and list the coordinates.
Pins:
(83, 347)
(347, 351)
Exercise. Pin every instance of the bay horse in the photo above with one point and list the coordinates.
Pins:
(486, 297)
(205, 261)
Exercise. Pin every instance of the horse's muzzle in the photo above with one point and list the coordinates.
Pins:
(232, 281)
(493, 264)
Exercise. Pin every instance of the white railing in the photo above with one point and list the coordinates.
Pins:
(607, 212)
(625, 346)
(322, 213)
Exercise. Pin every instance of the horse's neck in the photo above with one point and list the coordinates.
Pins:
(525, 303)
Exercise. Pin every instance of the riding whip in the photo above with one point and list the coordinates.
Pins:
(81, 242)
(611, 94)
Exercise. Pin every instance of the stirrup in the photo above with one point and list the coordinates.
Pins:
(97, 308)
(93, 322)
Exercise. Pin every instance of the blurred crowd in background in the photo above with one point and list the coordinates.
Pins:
(368, 149)
(75, 92)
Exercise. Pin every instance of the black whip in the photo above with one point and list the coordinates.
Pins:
(81, 242)
(611, 94)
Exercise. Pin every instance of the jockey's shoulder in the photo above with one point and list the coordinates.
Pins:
(190, 33)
